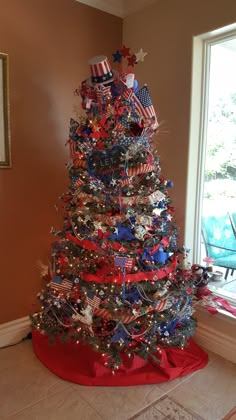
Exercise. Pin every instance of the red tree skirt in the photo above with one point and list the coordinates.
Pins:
(80, 364)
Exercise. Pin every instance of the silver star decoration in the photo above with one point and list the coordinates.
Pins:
(135, 312)
(128, 156)
(157, 211)
(113, 182)
(140, 55)
(118, 301)
(98, 225)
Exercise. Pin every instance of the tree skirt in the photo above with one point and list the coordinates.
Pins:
(80, 364)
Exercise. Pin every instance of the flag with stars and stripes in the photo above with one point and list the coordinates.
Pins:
(76, 181)
(124, 262)
(93, 300)
(61, 284)
(144, 106)
(127, 94)
(119, 127)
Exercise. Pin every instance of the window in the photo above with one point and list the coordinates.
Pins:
(211, 191)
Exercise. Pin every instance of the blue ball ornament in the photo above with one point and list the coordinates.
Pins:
(170, 184)
(161, 204)
(136, 86)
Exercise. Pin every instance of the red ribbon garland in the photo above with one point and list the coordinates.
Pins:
(130, 278)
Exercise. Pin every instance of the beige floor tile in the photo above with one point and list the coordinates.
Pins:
(25, 383)
(211, 392)
(119, 403)
(168, 386)
(64, 405)
(16, 354)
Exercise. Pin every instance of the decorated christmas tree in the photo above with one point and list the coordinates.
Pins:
(117, 282)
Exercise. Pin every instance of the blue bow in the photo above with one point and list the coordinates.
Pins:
(160, 256)
(120, 335)
(132, 295)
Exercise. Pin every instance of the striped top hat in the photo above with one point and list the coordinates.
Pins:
(101, 72)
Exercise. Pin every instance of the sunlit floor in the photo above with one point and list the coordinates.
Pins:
(29, 391)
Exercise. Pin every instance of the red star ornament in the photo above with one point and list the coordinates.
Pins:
(125, 52)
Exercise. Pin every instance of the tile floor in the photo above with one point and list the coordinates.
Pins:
(29, 391)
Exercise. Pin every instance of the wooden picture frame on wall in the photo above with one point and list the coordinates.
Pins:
(5, 155)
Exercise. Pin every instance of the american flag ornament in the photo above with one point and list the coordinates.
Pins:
(93, 300)
(163, 305)
(124, 262)
(76, 181)
(127, 94)
(61, 284)
(119, 127)
(144, 106)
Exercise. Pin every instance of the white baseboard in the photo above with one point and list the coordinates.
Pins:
(216, 341)
(12, 332)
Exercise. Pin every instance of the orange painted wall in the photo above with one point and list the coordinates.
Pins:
(166, 29)
(49, 43)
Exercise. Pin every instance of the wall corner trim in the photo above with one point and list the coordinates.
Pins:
(116, 8)
(12, 332)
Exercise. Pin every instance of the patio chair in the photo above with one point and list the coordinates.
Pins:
(220, 241)
(232, 217)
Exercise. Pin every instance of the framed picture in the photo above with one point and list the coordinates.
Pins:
(5, 160)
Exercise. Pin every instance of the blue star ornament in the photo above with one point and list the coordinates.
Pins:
(117, 56)
(122, 233)
(160, 256)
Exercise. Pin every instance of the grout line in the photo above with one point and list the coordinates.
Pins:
(70, 385)
(87, 402)
(185, 378)
(37, 401)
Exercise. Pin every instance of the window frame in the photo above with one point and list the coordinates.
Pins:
(198, 135)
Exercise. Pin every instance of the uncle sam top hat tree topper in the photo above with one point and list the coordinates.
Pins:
(101, 72)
